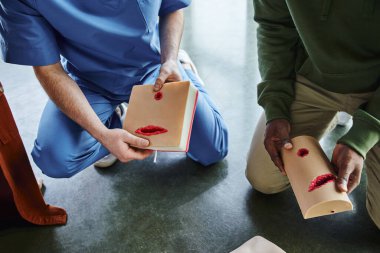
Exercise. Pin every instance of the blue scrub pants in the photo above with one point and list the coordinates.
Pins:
(63, 148)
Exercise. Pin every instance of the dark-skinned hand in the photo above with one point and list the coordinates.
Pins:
(348, 165)
(277, 137)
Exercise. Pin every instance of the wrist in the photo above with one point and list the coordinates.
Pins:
(169, 60)
(351, 149)
(278, 120)
(100, 133)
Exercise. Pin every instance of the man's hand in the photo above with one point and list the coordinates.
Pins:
(125, 146)
(67, 95)
(169, 72)
(349, 165)
(277, 137)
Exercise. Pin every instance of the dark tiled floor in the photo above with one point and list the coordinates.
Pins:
(176, 205)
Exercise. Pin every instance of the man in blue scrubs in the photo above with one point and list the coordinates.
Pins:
(87, 55)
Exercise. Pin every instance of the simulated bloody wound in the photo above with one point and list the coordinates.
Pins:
(302, 152)
(158, 95)
(151, 130)
(320, 181)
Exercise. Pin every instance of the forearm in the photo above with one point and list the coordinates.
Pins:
(171, 29)
(66, 94)
(277, 41)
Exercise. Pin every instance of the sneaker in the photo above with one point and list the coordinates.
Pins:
(110, 159)
(184, 58)
(106, 161)
(121, 111)
(343, 119)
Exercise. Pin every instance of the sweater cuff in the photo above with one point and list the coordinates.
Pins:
(364, 133)
(276, 108)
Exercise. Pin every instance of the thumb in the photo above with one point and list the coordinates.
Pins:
(342, 180)
(160, 81)
(135, 141)
(284, 131)
(287, 143)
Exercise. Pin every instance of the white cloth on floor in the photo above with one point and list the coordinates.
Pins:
(258, 244)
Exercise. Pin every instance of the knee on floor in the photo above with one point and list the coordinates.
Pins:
(52, 162)
(216, 152)
(373, 213)
(261, 184)
(266, 189)
(214, 157)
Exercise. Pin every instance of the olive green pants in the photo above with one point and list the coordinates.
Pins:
(313, 113)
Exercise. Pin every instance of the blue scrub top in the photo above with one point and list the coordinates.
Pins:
(109, 45)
